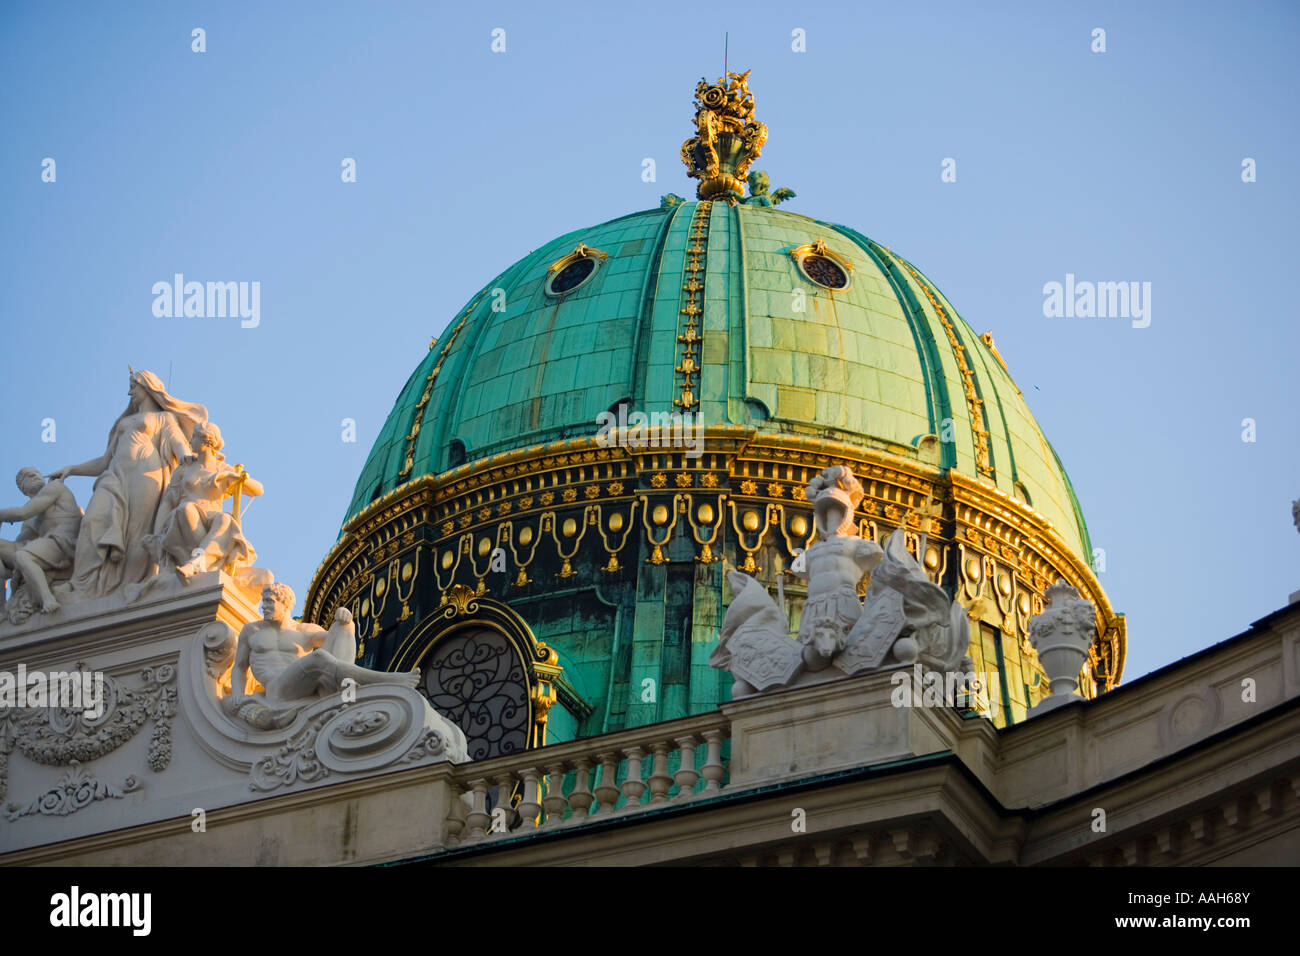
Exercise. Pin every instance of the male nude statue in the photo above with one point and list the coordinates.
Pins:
(48, 539)
(297, 663)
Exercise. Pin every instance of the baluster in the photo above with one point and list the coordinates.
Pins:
(633, 788)
(606, 792)
(660, 782)
(554, 802)
(455, 822)
(714, 767)
(478, 817)
(505, 787)
(581, 798)
(686, 775)
(529, 805)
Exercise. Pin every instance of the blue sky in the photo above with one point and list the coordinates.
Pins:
(1115, 166)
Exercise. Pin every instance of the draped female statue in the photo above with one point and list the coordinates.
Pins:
(145, 444)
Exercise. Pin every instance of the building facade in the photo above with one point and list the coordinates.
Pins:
(634, 407)
(544, 529)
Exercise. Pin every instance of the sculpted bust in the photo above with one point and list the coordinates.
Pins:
(296, 663)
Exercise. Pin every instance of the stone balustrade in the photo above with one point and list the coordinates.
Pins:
(569, 784)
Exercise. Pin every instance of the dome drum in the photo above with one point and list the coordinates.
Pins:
(592, 538)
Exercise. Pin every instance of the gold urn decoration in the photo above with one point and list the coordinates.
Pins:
(728, 139)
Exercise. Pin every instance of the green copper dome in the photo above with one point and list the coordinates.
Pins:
(883, 361)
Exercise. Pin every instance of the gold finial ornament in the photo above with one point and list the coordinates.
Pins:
(728, 139)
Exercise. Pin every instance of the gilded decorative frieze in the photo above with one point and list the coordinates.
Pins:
(741, 500)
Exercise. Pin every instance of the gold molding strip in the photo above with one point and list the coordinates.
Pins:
(975, 404)
(692, 306)
(408, 463)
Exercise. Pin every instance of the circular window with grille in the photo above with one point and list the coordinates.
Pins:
(823, 266)
(824, 271)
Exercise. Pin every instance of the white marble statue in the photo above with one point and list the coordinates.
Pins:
(193, 534)
(908, 615)
(44, 546)
(148, 440)
(907, 618)
(754, 644)
(296, 663)
(833, 567)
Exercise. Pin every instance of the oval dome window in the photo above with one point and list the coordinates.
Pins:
(825, 271)
(571, 276)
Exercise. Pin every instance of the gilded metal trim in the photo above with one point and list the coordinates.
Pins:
(951, 514)
(691, 306)
(978, 413)
(408, 461)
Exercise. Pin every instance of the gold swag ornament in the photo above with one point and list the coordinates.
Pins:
(728, 138)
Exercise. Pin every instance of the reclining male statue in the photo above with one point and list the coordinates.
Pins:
(270, 648)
